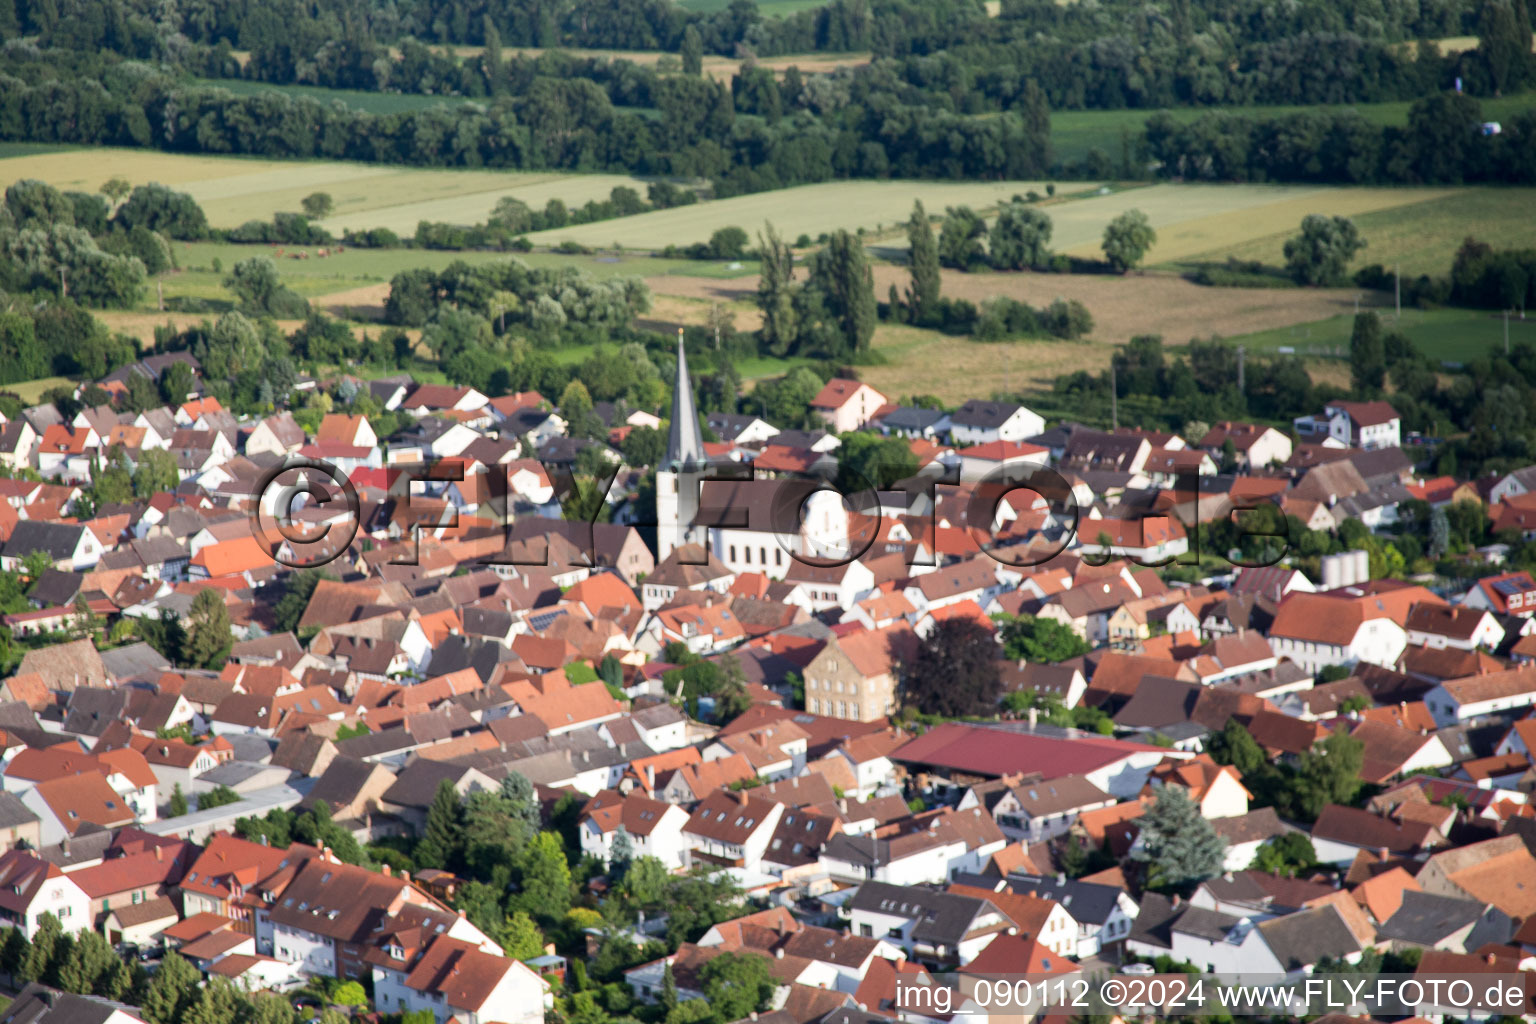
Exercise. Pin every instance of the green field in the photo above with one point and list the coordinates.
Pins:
(233, 190)
(371, 102)
(1075, 132)
(770, 8)
(1193, 219)
(1422, 238)
(31, 391)
(806, 209)
(1445, 335)
(364, 268)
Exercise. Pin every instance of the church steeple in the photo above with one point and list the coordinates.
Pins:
(685, 447)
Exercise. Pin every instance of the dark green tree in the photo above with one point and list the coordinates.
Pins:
(692, 52)
(1020, 238)
(1285, 855)
(1504, 43)
(171, 991)
(866, 460)
(776, 292)
(1367, 354)
(923, 264)
(1127, 239)
(842, 277)
(1179, 846)
(961, 237)
(955, 671)
(737, 984)
(546, 883)
(1321, 253)
(210, 637)
(1236, 746)
(1040, 640)
(442, 838)
(298, 586)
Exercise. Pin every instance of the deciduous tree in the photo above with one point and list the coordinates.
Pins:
(1321, 253)
(955, 670)
(1127, 239)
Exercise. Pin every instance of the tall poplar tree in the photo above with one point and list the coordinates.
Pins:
(923, 292)
(775, 292)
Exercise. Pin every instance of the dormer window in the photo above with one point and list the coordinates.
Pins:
(395, 952)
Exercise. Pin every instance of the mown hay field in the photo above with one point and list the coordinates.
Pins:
(1075, 132)
(1421, 238)
(806, 209)
(1445, 335)
(1122, 306)
(233, 191)
(1194, 219)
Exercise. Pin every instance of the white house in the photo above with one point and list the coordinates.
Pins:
(1103, 913)
(928, 848)
(457, 981)
(655, 828)
(979, 421)
(1318, 630)
(1214, 942)
(732, 829)
(1255, 446)
(846, 404)
(1464, 700)
(71, 546)
(1465, 629)
(936, 926)
(1367, 425)
(31, 887)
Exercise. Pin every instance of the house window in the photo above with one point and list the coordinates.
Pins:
(733, 552)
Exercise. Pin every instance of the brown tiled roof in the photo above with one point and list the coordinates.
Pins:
(1492, 686)
(464, 975)
(729, 817)
(1355, 827)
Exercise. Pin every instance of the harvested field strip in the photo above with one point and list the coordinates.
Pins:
(807, 209)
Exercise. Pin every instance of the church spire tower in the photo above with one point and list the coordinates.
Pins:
(677, 478)
(685, 447)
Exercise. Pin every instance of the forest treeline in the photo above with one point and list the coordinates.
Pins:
(949, 94)
(557, 123)
(1110, 54)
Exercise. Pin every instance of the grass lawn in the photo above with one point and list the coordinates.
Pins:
(1422, 238)
(770, 8)
(1193, 219)
(233, 190)
(370, 102)
(1446, 335)
(805, 209)
(1075, 132)
(355, 267)
(31, 391)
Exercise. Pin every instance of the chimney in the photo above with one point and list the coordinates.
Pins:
(160, 853)
(1382, 853)
(741, 797)
(405, 876)
(1061, 878)
(778, 953)
(1490, 958)
(386, 871)
(1034, 716)
(650, 776)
